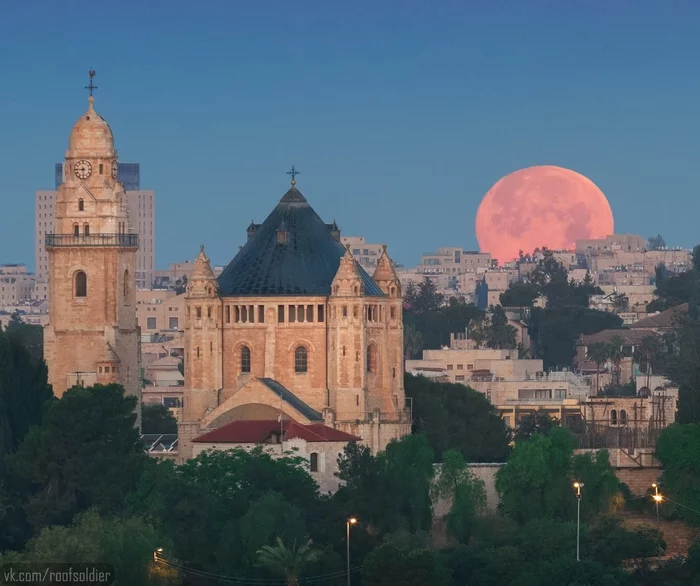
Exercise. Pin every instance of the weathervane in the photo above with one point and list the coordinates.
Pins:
(91, 87)
(293, 172)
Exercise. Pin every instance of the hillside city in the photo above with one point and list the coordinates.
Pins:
(306, 410)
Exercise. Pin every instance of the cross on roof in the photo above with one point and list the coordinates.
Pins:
(293, 172)
(91, 87)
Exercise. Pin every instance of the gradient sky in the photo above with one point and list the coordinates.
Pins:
(400, 115)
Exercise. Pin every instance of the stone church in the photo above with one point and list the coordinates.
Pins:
(294, 328)
(92, 336)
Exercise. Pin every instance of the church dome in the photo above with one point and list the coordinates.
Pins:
(91, 136)
(302, 262)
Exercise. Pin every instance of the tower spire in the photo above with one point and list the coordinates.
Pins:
(91, 87)
(293, 172)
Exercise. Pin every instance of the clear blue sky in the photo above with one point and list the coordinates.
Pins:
(399, 114)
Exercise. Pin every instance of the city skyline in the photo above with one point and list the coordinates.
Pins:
(403, 124)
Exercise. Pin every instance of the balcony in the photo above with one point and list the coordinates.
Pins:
(121, 240)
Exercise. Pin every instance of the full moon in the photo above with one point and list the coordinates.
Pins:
(542, 206)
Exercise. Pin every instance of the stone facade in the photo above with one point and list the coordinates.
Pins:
(92, 336)
(332, 356)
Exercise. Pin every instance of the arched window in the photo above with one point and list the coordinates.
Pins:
(371, 358)
(76, 230)
(86, 229)
(81, 205)
(623, 417)
(301, 359)
(613, 417)
(245, 359)
(126, 284)
(80, 284)
(313, 462)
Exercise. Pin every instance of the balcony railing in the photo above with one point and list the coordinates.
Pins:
(123, 240)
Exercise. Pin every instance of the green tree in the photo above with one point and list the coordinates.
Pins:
(30, 336)
(453, 416)
(599, 353)
(157, 418)
(86, 453)
(677, 449)
(203, 504)
(499, 333)
(535, 480)
(520, 294)
(612, 543)
(620, 302)
(391, 565)
(555, 331)
(412, 342)
(601, 485)
(682, 364)
(616, 355)
(126, 544)
(427, 298)
(391, 491)
(538, 422)
(287, 561)
(467, 493)
(648, 353)
(24, 391)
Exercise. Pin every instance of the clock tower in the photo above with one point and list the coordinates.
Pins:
(92, 336)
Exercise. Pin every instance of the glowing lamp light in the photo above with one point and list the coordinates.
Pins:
(352, 520)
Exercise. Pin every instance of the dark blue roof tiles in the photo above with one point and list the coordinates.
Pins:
(293, 252)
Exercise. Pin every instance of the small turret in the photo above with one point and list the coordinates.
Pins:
(202, 282)
(385, 276)
(348, 279)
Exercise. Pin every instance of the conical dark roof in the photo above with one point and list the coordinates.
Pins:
(302, 262)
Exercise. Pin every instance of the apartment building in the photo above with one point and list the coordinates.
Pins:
(16, 284)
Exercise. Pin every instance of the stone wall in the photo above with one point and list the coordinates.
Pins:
(484, 472)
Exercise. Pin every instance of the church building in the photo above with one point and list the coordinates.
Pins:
(92, 336)
(294, 330)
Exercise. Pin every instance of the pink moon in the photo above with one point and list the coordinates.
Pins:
(542, 206)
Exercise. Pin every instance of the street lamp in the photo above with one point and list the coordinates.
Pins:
(658, 498)
(350, 521)
(578, 486)
(155, 555)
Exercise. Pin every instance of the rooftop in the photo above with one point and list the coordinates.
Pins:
(259, 431)
(293, 252)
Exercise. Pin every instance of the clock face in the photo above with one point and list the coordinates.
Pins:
(83, 169)
(114, 169)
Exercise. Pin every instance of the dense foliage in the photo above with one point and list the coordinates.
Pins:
(453, 416)
(157, 418)
(428, 322)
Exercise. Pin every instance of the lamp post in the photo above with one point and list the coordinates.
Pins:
(155, 555)
(350, 521)
(578, 486)
(657, 499)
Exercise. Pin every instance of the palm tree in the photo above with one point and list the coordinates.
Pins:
(648, 351)
(288, 562)
(598, 352)
(615, 356)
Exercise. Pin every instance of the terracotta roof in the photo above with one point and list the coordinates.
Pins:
(258, 431)
(661, 320)
(629, 337)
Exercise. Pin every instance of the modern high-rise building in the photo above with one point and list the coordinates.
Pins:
(141, 209)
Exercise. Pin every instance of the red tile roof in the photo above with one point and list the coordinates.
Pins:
(258, 431)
